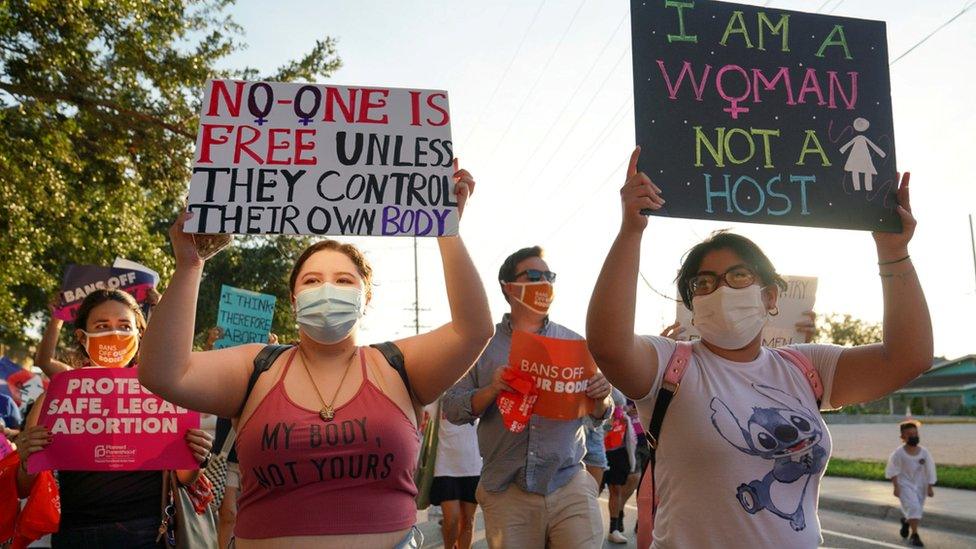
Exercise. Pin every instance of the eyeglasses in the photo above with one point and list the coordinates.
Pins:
(704, 283)
(535, 275)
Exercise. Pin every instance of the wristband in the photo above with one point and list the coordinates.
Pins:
(907, 257)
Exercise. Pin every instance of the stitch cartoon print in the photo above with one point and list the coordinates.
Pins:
(785, 433)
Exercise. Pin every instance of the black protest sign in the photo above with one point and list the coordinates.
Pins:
(761, 115)
(289, 158)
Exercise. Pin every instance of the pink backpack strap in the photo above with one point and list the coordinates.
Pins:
(677, 365)
(802, 363)
(646, 494)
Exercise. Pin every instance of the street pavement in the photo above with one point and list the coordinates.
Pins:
(840, 528)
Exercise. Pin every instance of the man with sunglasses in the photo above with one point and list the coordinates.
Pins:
(534, 490)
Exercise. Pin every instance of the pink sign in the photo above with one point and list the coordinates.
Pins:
(102, 419)
(5, 447)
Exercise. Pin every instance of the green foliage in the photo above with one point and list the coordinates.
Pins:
(258, 264)
(98, 116)
(846, 330)
(950, 476)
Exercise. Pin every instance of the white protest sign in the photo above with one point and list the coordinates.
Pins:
(292, 158)
(799, 297)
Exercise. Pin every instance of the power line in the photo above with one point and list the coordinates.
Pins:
(965, 8)
(501, 80)
(653, 289)
(573, 96)
(586, 202)
(538, 79)
(583, 112)
(607, 130)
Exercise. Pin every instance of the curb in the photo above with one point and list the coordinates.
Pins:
(940, 521)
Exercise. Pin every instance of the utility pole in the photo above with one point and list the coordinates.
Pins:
(972, 244)
(416, 284)
(416, 294)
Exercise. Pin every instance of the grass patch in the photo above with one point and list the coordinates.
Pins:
(950, 476)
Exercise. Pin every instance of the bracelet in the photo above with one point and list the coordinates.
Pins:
(907, 257)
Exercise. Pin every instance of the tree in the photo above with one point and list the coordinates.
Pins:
(98, 117)
(257, 264)
(846, 330)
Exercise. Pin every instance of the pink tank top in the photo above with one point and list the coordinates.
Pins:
(302, 476)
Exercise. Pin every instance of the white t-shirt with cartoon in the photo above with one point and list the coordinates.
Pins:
(742, 450)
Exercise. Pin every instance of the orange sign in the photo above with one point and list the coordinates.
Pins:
(561, 369)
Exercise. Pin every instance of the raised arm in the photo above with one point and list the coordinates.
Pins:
(628, 362)
(44, 357)
(869, 372)
(437, 359)
(212, 381)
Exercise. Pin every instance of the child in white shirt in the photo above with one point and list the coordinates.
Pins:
(912, 472)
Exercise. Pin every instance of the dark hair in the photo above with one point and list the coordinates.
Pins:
(352, 252)
(98, 297)
(906, 425)
(507, 271)
(723, 240)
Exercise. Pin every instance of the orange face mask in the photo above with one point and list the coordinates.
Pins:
(537, 296)
(113, 349)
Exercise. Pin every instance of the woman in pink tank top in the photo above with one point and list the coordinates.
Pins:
(327, 434)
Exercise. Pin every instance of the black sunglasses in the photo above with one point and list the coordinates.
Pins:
(535, 275)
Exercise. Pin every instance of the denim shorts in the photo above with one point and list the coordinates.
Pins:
(596, 454)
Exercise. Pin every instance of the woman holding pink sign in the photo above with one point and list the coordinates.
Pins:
(327, 439)
(106, 509)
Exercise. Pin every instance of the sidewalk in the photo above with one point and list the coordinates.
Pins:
(950, 509)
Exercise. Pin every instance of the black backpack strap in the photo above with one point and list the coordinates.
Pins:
(262, 362)
(394, 356)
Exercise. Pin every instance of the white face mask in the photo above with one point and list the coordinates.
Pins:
(730, 318)
(328, 313)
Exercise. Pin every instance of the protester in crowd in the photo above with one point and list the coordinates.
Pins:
(642, 454)
(621, 476)
(105, 509)
(534, 491)
(45, 356)
(912, 473)
(745, 424)
(328, 448)
(10, 417)
(457, 469)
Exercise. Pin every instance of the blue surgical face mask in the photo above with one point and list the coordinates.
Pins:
(328, 313)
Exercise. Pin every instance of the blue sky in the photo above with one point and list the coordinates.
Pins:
(550, 175)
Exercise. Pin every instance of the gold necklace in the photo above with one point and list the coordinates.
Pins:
(328, 410)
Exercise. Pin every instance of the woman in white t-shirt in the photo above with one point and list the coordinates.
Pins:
(457, 470)
(743, 445)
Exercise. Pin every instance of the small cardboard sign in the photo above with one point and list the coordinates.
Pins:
(244, 316)
(799, 297)
(102, 419)
(320, 159)
(762, 115)
(561, 369)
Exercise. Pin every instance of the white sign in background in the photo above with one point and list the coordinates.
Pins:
(293, 158)
(799, 297)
